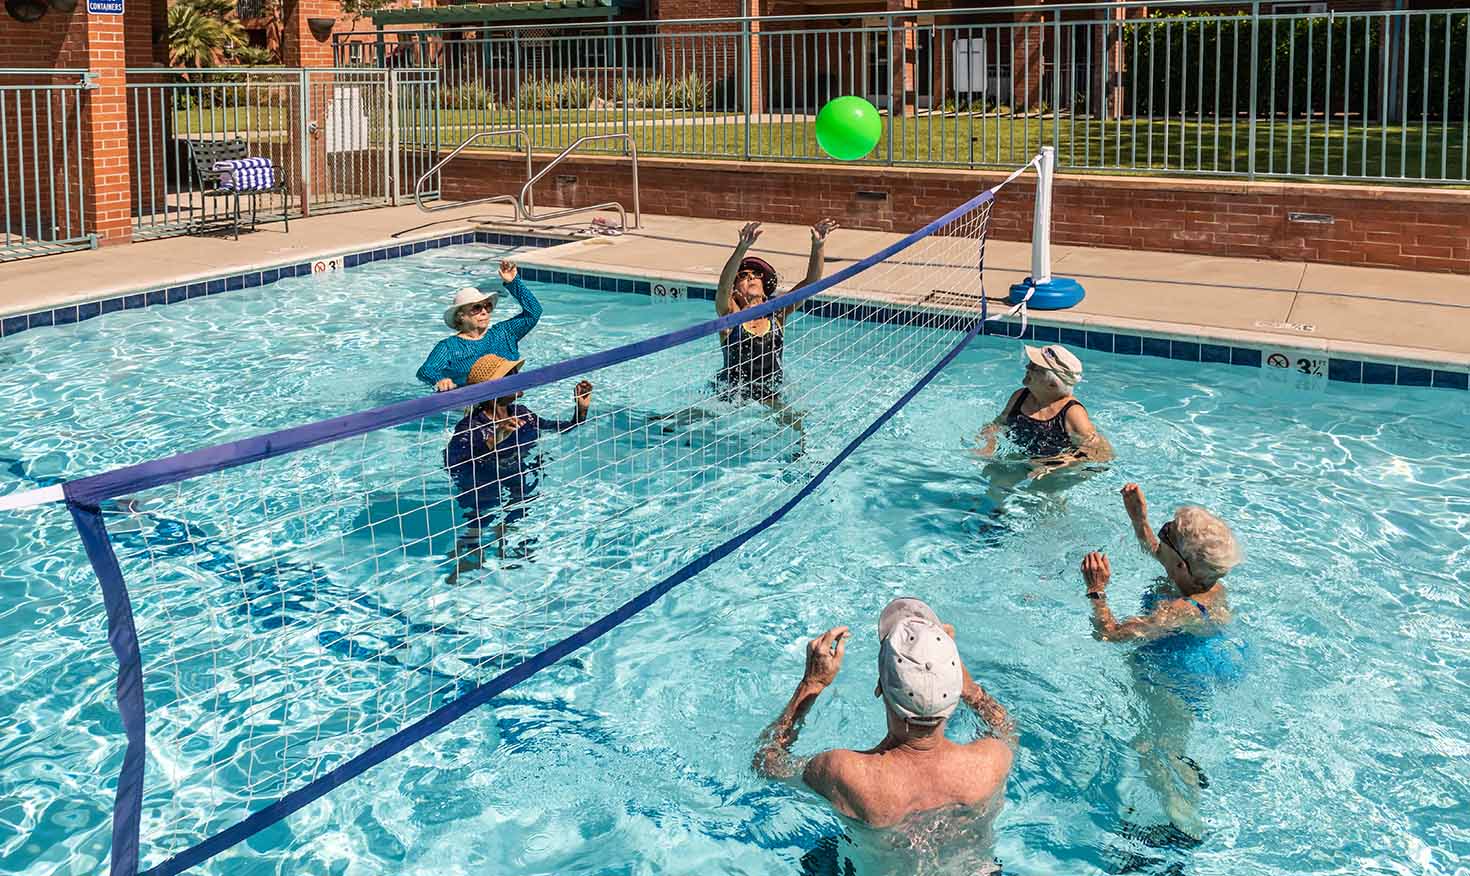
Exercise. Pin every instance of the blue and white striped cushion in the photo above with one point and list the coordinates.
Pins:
(246, 174)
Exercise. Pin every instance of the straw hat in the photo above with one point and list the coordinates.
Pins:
(487, 368)
(467, 295)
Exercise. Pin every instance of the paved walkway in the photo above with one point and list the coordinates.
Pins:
(1355, 311)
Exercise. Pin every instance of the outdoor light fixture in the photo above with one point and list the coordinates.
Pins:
(25, 10)
(321, 28)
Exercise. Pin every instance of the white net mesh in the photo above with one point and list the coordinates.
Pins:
(295, 611)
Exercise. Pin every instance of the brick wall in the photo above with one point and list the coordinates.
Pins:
(1420, 229)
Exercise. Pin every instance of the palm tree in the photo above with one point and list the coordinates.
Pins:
(202, 32)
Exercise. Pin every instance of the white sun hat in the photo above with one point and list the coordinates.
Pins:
(467, 295)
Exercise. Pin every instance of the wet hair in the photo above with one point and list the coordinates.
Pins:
(1206, 543)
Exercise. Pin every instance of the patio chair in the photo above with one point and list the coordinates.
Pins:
(205, 153)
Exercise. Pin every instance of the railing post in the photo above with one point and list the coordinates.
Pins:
(1255, 80)
(515, 65)
(744, 77)
(303, 84)
(392, 160)
(888, 131)
(627, 83)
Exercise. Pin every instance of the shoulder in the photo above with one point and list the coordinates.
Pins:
(832, 771)
(1015, 400)
(989, 754)
(1077, 416)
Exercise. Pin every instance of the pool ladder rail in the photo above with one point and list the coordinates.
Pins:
(524, 202)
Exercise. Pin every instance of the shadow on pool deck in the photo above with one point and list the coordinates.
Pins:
(1362, 311)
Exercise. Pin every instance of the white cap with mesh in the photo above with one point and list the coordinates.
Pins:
(919, 668)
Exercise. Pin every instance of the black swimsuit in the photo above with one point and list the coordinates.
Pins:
(1039, 438)
(752, 362)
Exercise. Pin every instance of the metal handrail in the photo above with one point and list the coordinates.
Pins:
(622, 214)
(513, 200)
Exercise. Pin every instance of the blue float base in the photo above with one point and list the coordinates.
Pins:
(1059, 294)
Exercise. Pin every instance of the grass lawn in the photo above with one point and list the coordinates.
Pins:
(1297, 148)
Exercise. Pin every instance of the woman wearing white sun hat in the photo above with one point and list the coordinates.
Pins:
(1044, 419)
(448, 365)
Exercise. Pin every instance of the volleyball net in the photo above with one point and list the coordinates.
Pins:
(290, 610)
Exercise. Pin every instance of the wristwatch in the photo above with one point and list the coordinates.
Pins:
(1095, 594)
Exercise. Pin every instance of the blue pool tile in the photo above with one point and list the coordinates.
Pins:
(1185, 351)
(14, 325)
(702, 293)
(396, 251)
(1409, 376)
(1214, 353)
(642, 287)
(135, 301)
(607, 284)
(1345, 370)
(625, 285)
(1127, 345)
(351, 260)
(1451, 379)
(45, 317)
(482, 237)
(197, 289)
(157, 296)
(87, 311)
(214, 287)
(304, 269)
(1101, 341)
(1074, 338)
(1046, 334)
(420, 245)
(175, 294)
(64, 315)
(1156, 347)
(113, 305)
(1245, 356)
(1379, 373)
(270, 275)
(433, 244)
(560, 277)
(235, 282)
(252, 279)
(379, 254)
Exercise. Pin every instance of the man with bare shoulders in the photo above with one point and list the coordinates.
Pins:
(915, 768)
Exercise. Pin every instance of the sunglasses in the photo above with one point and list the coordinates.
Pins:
(475, 308)
(749, 273)
(1166, 535)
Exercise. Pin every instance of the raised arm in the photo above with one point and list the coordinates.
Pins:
(581, 401)
(1171, 617)
(816, 261)
(522, 323)
(823, 658)
(724, 294)
(1137, 507)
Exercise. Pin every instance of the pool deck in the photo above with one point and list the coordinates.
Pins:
(1364, 312)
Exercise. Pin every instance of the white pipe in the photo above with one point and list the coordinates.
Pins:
(31, 498)
(1041, 219)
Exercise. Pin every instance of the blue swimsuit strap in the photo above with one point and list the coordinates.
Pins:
(1205, 612)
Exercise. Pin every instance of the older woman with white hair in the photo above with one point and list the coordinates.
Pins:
(1044, 419)
(1186, 653)
(448, 365)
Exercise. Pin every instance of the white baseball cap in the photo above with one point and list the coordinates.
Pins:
(1058, 360)
(919, 668)
(467, 295)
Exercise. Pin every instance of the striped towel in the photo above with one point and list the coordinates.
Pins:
(246, 174)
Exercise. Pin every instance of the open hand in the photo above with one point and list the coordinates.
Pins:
(444, 385)
(822, 229)
(824, 656)
(1096, 571)
(749, 233)
(1134, 501)
(582, 395)
(508, 271)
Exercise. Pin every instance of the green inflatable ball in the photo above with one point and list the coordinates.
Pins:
(848, 128)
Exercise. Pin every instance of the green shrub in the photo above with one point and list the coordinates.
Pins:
(469, 96)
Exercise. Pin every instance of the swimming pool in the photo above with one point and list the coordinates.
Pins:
(1353, 503)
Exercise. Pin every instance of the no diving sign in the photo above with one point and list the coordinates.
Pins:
(105, 7)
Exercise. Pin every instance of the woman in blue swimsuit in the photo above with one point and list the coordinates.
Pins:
(1186, 652)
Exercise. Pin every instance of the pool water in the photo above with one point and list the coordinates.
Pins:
(1345, 749)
